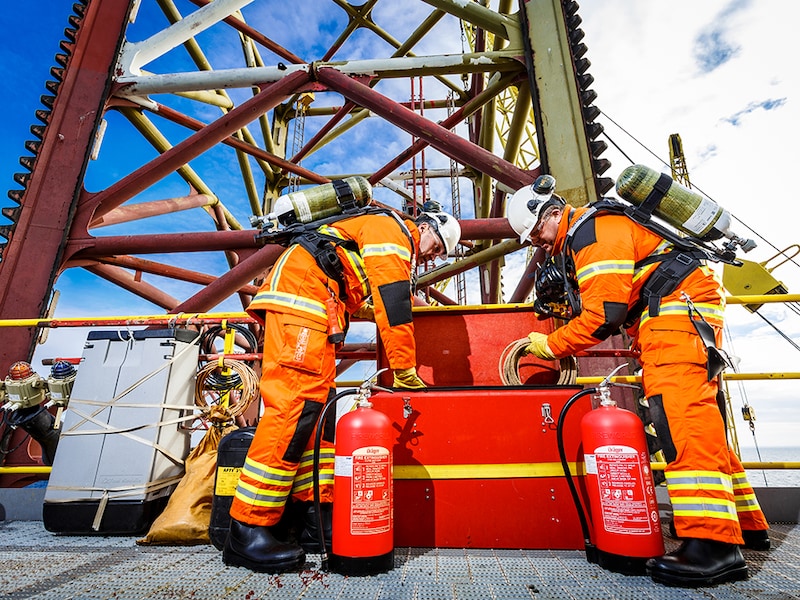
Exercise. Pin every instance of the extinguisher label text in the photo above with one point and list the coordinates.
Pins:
(625, 501)
(371, 508)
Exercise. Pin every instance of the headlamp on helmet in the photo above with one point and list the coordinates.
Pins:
(528, 205)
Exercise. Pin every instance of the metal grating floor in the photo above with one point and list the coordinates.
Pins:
(38, 564)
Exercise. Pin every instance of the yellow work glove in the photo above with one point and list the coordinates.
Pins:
(407, 378)
(538, 346)
(366, 311)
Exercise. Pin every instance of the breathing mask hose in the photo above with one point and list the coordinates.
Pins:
(565, 465)
(317, 443)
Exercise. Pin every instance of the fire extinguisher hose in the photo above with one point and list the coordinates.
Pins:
(317, 443)
(565, 465)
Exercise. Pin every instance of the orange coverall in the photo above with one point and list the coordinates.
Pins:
(299, 369)
(707, 486)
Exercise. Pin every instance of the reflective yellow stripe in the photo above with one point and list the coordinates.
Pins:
(713, 313)
(489, 471)
(740, 481)
(710, 480)
(285, 300)
(250, 494)
(703, 508)
(604, 267)
(386, 249)
(267, 475)
(306, 482)
(277, 269)
(307, 459)
(747, 503)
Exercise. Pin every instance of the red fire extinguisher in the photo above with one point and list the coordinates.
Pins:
(626, 529)
(363, 531)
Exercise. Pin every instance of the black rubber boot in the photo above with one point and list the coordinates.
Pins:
(699, 563)
(255, 547)
(756, 539)
(309, 539)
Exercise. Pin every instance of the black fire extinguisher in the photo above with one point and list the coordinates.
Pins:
(625, 530)
(363, 532)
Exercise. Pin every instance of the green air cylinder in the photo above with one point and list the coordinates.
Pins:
(231, 453)
(682, 208)
(322, 201)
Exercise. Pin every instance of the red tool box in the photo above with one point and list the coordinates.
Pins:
(476, 463)
(479, 467)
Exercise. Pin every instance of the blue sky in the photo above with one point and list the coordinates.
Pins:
(721, 74)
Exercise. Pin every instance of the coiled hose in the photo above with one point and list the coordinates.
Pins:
(509, 365)
(230, 384)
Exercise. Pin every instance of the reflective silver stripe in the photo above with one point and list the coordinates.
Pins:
(267, 475)
(291, 301)
(605, 267)
(386, 249)
(699, 479)
(705, 507)
(256, 496)
(701, 506)
(307, 481)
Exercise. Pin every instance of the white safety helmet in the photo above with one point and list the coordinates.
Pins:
(527, 205)
(446, 227)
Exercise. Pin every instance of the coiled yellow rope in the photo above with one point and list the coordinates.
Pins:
(233, 399)
(509, 365)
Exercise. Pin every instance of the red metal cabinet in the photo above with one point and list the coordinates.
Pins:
(479, 467)
(463, 345)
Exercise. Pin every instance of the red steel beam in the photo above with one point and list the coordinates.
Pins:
(97, 247)
(141, 210)
(33, 255)
(240, 275)
(441, 138)
(257, 36)
(127, 281)
(183, 152)
(234, 142)
(149, 266)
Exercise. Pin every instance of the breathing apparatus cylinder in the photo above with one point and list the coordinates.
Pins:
(322, 201)
(680, 207)
(363, 526)
(626, 528)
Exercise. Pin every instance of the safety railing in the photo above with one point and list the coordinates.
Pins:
(203, 319)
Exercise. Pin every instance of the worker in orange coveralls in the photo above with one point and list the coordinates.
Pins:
(377, 255)
(606, 259)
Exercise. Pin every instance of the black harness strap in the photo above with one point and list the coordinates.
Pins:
(344, 195)
(644, 211)
(323, 248)
(665, 279)
(674, 266)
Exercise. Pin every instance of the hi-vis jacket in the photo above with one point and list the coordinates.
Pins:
(707, 485)
(377, 261)
(606, 251)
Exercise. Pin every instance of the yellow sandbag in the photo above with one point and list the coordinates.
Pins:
(186, 518)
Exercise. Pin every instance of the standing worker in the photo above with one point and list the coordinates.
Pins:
(366, 256)
(613, 273)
